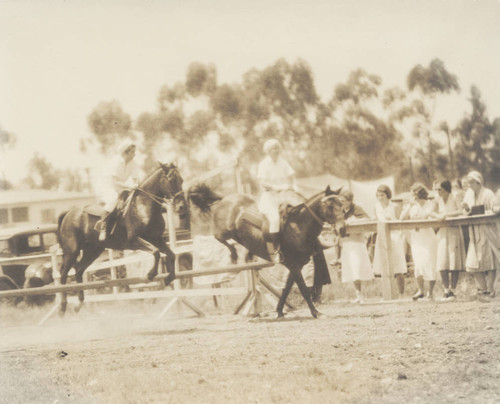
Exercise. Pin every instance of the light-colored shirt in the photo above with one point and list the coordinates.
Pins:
(275, 174)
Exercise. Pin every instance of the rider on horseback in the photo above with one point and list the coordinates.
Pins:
(122, 174)
(275, 176)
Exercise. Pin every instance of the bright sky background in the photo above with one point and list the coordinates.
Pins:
(59, 59)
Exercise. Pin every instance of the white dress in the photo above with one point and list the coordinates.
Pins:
(423, 246)
(356, 265)
(451, 247)
(484, 249)
(398, 259)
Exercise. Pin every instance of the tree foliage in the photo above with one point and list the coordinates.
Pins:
(363, 132)
(108, 122)
(479, 141)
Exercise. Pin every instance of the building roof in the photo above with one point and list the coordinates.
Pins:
(39, 195)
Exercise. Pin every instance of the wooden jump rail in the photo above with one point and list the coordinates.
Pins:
(75, 287)
(383, 229)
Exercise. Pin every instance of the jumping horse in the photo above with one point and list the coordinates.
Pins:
(137, 224)
(236, 217)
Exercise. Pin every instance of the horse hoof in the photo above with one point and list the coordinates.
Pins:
(151, 276)
(78, 307)
(280, 315)
(169, 279)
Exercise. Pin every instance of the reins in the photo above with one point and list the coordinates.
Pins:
(155, 198)
(314, 215)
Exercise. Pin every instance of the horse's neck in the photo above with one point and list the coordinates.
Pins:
(151, 184)
(311, 222)
(145, 207)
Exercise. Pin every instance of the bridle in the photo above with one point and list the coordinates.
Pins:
(157, 199)
(311, 212)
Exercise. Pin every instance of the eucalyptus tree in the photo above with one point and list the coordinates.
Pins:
(109, 123)
(479, 141)
(426, 84)
(365, 144)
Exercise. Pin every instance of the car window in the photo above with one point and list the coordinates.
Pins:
(49, 239)
(34, 241)
(4, 247)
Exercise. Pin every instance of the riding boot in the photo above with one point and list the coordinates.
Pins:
(273, 248)
(101, 225)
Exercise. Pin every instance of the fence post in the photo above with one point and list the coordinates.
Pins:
(385, 250)
(56, 273)
(112, 269)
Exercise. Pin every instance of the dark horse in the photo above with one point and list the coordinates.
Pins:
(236, 217)
(137, 224)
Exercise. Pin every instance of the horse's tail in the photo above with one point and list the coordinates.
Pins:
(202, 197)
(59, 223)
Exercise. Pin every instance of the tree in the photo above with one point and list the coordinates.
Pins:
(109, 123)
(7, 141)
(479, 140)
(42, 175)
(426, 84)
(364, 145)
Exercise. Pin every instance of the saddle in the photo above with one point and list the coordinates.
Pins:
(253, 217)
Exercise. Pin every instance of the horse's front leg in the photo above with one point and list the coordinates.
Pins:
(170, 260)
(304, 291)
(284, 294)
(142, 244)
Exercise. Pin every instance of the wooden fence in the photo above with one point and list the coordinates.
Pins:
(383, 229)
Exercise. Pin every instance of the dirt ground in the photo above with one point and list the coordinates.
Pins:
(413, 352)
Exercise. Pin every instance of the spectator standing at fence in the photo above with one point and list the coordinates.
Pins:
(483, 252)
(276, 177)
(450, 248)
(384, 211)
(356, 265)
(422, 241)
(121, 174)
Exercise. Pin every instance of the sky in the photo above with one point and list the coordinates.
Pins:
(60, 59)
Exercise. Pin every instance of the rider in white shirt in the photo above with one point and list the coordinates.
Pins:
(275, 176)
(121, 174)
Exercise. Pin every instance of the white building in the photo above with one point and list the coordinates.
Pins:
(37, 206)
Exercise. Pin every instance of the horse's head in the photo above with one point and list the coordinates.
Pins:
(170, 182)
(331, 208)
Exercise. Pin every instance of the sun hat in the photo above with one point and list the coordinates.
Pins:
(269, 144)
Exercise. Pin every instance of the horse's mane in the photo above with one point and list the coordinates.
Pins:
(203, 197)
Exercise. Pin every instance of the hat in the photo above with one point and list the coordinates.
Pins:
(125, 144)
(269, 144)
(476, 176)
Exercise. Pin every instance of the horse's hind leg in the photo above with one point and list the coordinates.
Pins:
(232, 249)
(89, 256)
(69, 259)
(284, 295)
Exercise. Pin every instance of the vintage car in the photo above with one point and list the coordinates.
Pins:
(23, 253)
(24, 260)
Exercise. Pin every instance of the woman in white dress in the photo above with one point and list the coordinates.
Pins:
(450, 248)
(483, 254)
(385, 210)
(356, 265)
(422, 241)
